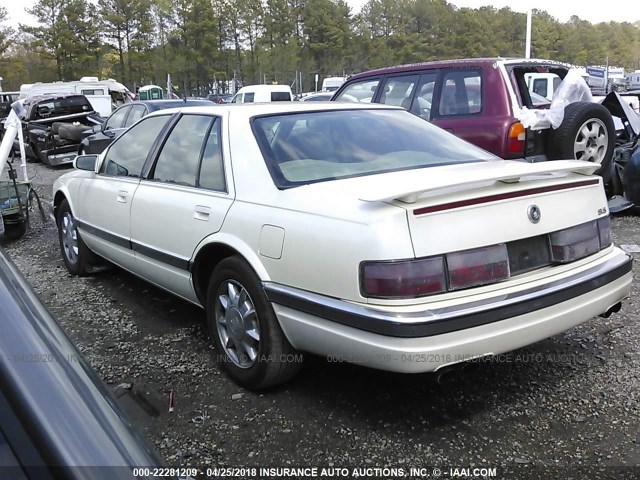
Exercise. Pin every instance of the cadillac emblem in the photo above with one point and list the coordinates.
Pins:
(533, 212)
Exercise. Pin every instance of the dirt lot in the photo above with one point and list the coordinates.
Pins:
(570, 401)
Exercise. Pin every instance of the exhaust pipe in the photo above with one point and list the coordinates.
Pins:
(611, 310)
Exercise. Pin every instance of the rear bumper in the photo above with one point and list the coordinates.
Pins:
(431, 339)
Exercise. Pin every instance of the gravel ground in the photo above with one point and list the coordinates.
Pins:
(570, 401)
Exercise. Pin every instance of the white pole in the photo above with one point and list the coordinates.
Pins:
(11, 126)
(527, 53)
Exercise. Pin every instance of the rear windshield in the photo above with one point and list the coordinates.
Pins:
(313, 147)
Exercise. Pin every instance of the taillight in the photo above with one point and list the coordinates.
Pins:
(516, 140)
(575, 243)
(403, 279)
(604, 231)
(480, 266)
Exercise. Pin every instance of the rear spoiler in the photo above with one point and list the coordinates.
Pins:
(409, 185)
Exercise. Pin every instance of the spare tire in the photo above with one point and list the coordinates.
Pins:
(586, 133)
(55, 127)
(71, 132)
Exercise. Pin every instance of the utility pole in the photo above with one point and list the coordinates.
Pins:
(527, 51)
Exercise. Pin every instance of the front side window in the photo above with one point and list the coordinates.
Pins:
(362, 92)
(422, 103)
(248, 97)
(179, 159)
(137, 112)
(314, 147)
(116, 120)
(126, 156)
(461, 93)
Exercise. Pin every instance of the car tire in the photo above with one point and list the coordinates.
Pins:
(250, 345)
(71, 132)
(76, 255)
(586, 133)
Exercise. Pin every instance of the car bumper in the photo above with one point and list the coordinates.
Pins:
(428, 340)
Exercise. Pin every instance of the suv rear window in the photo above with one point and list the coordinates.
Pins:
(461, 93)
(280, 97)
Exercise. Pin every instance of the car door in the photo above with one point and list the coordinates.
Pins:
(104, 200)
(183, 199)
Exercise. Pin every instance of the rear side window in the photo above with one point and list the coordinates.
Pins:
(461, 93)
(179, 159)
(362, 91)
(211, 174)
(398, 91)
(280, 97)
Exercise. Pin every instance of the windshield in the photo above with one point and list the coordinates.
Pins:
(313, 147)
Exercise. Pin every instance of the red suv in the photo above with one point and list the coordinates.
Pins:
(480, 100)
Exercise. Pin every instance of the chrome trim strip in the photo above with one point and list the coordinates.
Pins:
(444, 320)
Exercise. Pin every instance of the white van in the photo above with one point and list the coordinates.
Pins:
(102, 94)
(543, 84)
(331, 84)
(263, 93)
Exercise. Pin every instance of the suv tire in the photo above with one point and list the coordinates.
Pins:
(586, 133)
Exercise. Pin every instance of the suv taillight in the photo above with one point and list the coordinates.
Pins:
(517, 139)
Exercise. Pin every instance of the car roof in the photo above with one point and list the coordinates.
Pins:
(265, 88)
(39, 98)
(277, 108)
(153, 105)
(461, 62)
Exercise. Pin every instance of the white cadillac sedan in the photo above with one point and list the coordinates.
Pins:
(358, 232)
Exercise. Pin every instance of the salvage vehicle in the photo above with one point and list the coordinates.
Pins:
(360, 232)
(57, 419)
(125, 116)
(481, 100)
(54, 125)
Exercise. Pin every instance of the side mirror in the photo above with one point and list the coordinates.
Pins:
(97, 128)
(85, 162)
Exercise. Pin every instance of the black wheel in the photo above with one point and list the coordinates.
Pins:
(586, 133)
(250, 345)
(76, 255)
(15, 226)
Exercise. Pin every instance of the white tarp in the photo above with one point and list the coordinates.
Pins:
(572, 89)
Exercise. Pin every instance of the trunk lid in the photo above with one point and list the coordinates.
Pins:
(460, 207)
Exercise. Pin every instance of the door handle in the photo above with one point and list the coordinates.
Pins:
(122, 196)
(202, 213)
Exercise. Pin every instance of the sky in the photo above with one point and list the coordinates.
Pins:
(592, 10)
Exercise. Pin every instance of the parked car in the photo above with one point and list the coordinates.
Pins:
(54, 125)
(317, 97)
(57, 419)
(123, 118)
(220, 97)
(480, 100)
(355, 231)
(263, 93)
